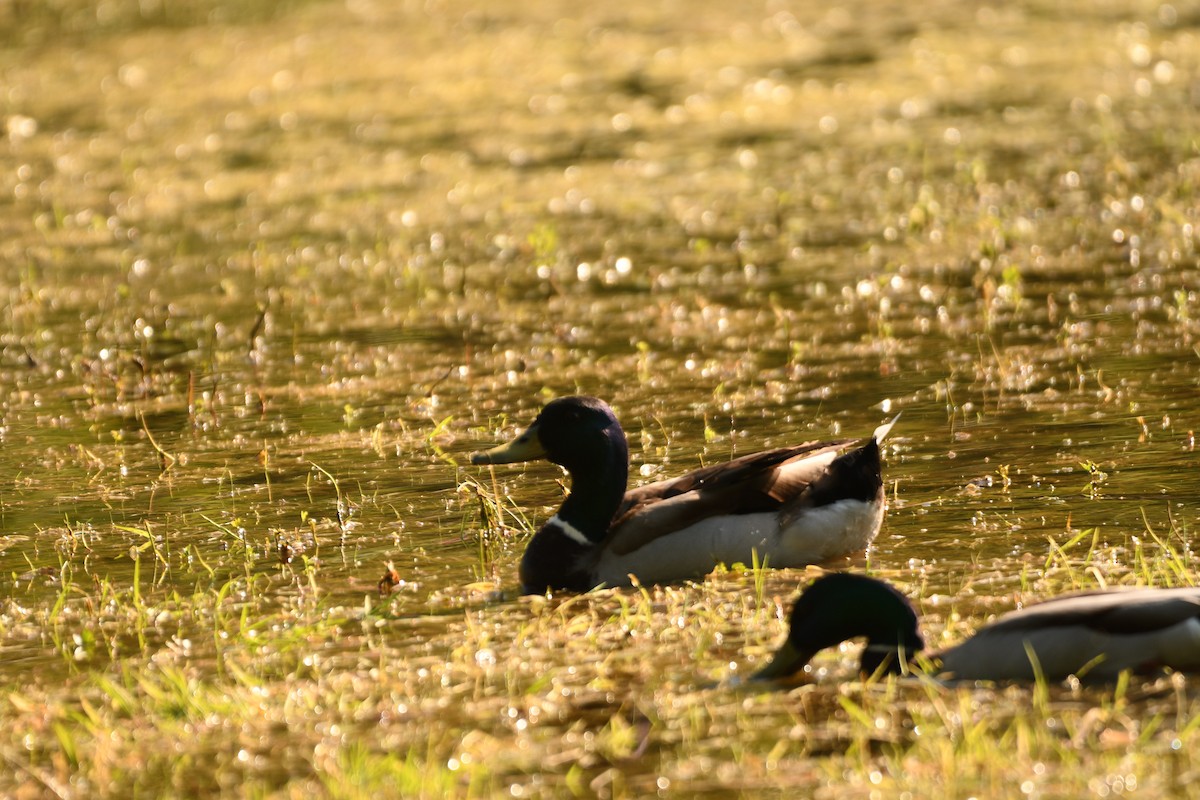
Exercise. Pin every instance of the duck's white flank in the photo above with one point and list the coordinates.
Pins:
(819, 534)
(1064, 649)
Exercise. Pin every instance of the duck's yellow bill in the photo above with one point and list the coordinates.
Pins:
(526, 447)
(786, 662)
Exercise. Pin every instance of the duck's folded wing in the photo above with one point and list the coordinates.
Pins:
(760, 482)
(1113, 612)
(853, 475)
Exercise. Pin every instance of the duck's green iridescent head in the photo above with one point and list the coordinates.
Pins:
(842, 606)
(570, 431)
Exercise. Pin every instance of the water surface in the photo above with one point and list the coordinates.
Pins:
(272, 272)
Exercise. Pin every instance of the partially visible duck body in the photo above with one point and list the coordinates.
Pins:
(1095, 634)
(787, 507)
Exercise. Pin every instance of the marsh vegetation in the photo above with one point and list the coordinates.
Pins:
(271, 270)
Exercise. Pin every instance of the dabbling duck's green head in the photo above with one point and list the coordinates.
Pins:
(841, 606)
(578, 433)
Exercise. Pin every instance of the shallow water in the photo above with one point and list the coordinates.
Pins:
(273, 272)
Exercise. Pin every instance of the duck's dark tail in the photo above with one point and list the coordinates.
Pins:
(856, 475)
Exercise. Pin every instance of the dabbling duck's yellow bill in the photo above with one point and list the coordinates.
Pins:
(786, 662)
(526, 447)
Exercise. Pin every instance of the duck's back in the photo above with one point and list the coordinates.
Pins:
(788, 507)
(1097, 634)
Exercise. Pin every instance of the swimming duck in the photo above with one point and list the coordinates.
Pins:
(791, 506)
(1092, 634)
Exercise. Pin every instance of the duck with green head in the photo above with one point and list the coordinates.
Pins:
(791, 506)
(1094, 634)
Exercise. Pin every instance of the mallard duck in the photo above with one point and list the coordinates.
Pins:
(1093, 634)
(791, 506)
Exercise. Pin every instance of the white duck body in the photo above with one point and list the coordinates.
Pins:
(822, 534)
(1093, 635)
(789, 507)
